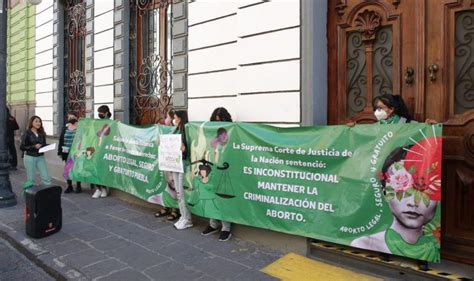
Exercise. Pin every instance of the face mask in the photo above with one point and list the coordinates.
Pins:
(73, 121)
(380, 114)
(174, 122)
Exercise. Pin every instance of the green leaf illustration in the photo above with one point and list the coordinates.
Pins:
(399, 196)
(426, 199)
(417, 197)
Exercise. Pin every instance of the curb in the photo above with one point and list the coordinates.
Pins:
(39, 256)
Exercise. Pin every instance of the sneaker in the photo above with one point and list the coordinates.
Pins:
(68, 189)
(103, 194)
(209, 230)
(184, 224)
(96, 194)
(179, 222)
(225, 235)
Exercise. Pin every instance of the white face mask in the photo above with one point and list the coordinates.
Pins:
(174, 122)
(380, 114)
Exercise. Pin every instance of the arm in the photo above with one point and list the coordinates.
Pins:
(26, 145)
(61, 142)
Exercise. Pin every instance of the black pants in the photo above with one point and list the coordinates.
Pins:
(12, 154)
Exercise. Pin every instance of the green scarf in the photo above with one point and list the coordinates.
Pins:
(392, 120)
(426, 248)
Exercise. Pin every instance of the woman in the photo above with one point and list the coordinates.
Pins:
(65, 143)
(104, 113)
(391, 109)
(219, 114)
(33, 139)
(170, 213)
(12, 126)
(180, 120)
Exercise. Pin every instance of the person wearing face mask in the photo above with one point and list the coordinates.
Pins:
(34, 139)
(103, 113)
(170, 213)
(391, 109)
(65, 144)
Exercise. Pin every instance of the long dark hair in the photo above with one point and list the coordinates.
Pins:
(394, 102)
(30, 125)
(397, 155)
(223, 114)
(104, 109)
(183, 115)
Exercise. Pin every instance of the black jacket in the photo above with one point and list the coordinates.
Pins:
(28, 142)
(12, 126)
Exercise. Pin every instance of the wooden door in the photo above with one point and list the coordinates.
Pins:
(424, 51)
(449, 97)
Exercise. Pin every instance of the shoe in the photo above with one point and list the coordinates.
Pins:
(161, 213)
(225, 235)
(209, 230)
(103, 194)
(173, 216)
(184, 224)
(96, 194)
(180, 221)
(68, 189)
(78, 189)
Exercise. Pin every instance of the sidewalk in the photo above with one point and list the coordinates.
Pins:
(109, 239)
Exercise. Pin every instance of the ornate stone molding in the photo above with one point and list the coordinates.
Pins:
(341, 6)
(368, 22)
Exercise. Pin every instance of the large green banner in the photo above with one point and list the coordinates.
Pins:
(375, 187)
(121, 156)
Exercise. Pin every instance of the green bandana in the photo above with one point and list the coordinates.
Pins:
(392, 120)
(426, 248)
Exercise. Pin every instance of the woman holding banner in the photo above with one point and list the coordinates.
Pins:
(65, 143)
(180, 120)
(391, 109)
(103, 113)
(170, 213)
(219, 114)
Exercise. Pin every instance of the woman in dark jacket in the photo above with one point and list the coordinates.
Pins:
(12, 126)
(33, 139)
(65, 144)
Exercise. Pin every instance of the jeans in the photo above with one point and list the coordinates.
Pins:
(178, 185)
(33, 164)
(215, 224)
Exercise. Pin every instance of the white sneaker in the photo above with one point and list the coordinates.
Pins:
(185, 224)
(179, 222)
(96, 194)
(103, 194)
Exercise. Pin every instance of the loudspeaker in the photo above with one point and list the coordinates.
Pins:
(43, 212)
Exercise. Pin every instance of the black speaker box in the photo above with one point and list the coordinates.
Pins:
(43, 212)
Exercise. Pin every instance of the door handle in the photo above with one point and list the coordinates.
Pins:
(433, 68)
(409, 73)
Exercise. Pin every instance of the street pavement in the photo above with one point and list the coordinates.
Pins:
(110, 239)
(15, 266)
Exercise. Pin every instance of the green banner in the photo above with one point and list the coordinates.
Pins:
(375, 187)
(113, 154)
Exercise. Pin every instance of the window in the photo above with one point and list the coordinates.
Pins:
(74, 74)
(150, 60)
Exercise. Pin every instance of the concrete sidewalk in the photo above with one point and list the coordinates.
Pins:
(109, 239)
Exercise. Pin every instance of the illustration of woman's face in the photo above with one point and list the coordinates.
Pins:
(410, 214)
(203, 173)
